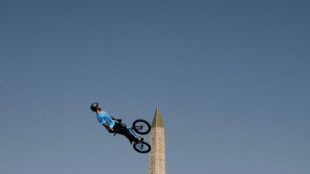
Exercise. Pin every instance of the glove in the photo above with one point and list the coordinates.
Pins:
(119, 120)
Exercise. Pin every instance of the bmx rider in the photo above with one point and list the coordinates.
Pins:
(109, 122)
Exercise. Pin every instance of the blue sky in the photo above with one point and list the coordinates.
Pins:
(230, 78)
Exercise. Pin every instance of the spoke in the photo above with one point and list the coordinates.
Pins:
(139, 127)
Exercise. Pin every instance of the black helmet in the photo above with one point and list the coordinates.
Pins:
(94, 106)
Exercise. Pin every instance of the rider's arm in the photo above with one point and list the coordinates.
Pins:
(113, 118)
(107, 126)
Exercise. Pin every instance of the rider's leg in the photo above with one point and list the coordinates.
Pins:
(124, 131)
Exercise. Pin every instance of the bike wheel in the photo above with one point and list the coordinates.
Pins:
(142, 147)
(141, 127)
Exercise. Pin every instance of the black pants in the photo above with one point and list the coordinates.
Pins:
(121, 129)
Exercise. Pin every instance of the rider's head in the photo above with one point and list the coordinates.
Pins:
(95, 107)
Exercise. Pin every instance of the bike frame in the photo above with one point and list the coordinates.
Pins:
(132, 131)
(139, 146)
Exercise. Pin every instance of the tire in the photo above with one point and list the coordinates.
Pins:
(141, 127)
(142, 147)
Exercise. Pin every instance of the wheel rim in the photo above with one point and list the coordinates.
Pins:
(141, 127)
(142, 147)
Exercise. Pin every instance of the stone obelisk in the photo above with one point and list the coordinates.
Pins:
(157, 141)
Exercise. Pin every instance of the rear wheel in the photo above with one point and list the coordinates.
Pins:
(141, 127)
(142, 147)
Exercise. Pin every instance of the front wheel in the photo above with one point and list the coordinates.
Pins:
(141, 127)
(142, 147)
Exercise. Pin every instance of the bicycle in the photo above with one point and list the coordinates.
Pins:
(142, 127)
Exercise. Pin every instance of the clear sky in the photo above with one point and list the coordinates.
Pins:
(230, 78)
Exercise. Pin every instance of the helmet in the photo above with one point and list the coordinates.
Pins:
(94, 106)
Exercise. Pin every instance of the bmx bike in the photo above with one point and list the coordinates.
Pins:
(141, 127)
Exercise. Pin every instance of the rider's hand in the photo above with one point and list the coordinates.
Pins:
(112, 129)
(119, 120)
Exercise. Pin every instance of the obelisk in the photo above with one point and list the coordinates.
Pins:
(157, 141)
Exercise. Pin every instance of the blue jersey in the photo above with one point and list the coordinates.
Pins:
(104, 117)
